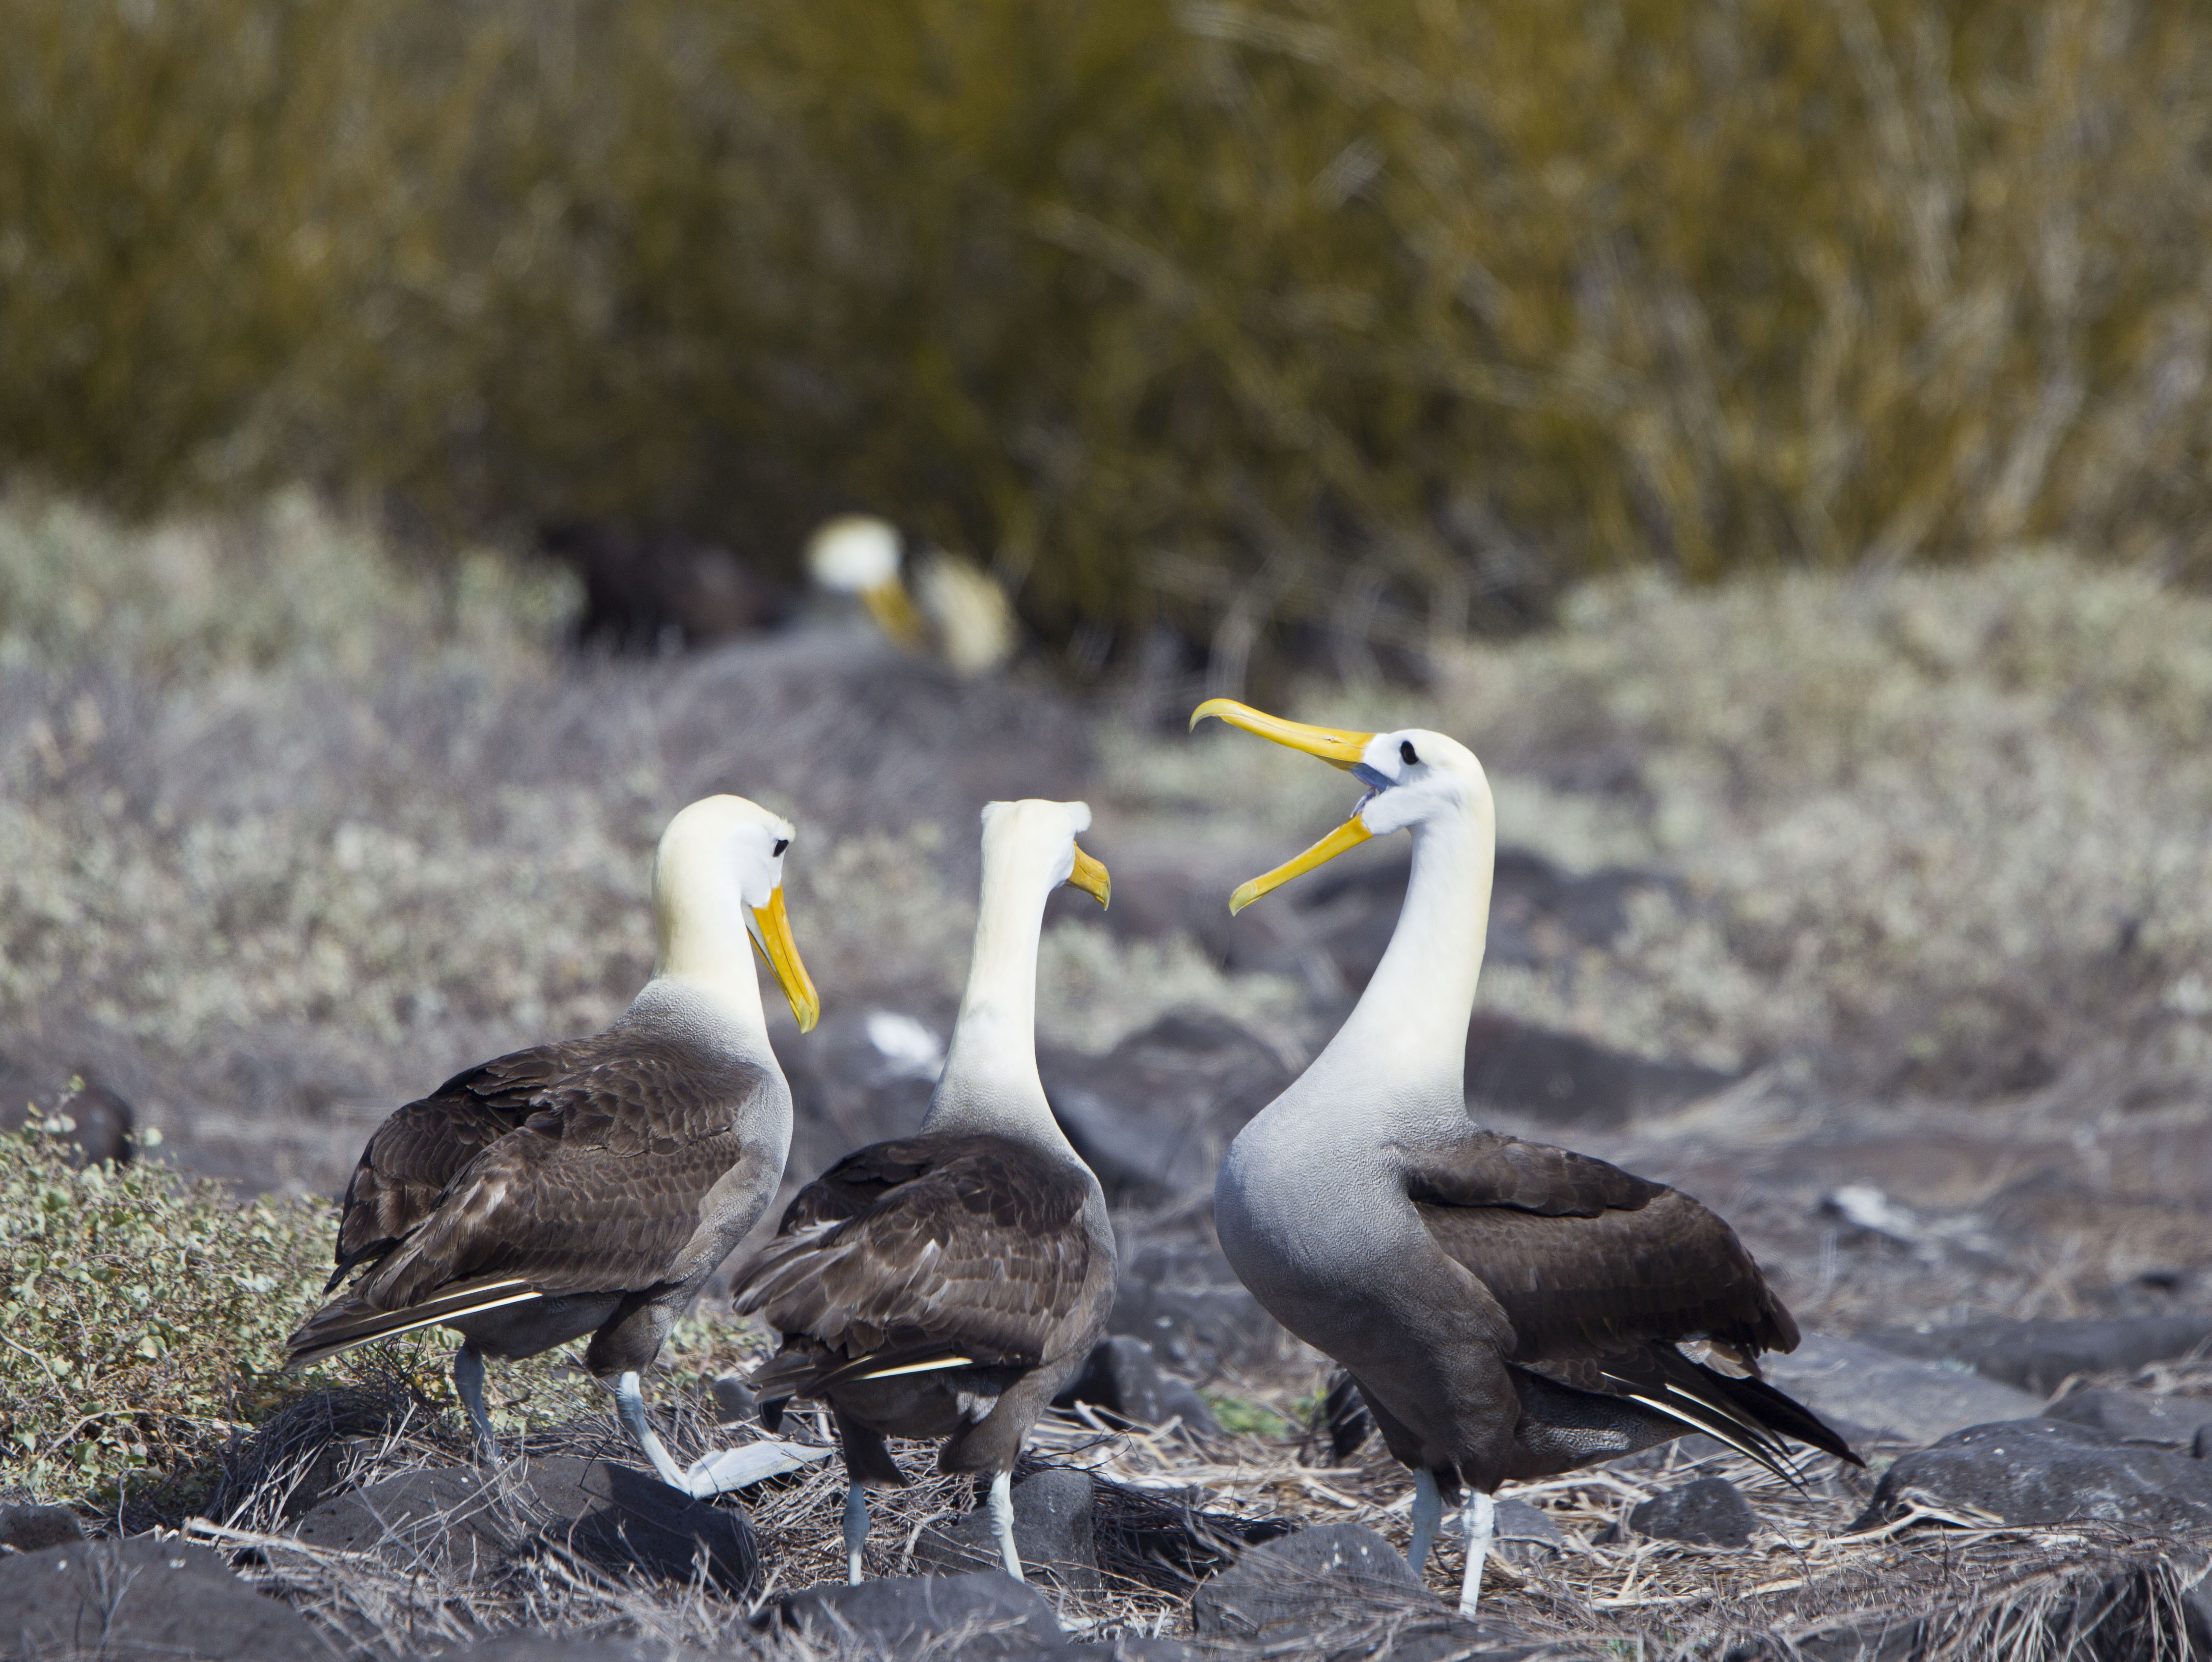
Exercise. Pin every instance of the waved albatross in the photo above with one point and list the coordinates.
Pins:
(592, 1186)
(949, 1283)
(1508, 1310)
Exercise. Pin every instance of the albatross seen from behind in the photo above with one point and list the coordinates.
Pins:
(592, 1186)
(948, 1284)
(1508, 1310)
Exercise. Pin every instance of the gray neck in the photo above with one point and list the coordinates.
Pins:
(990, 1080)
(1396, 1068)
(721, 1015)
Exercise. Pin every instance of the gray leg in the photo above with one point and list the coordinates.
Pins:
(629, 1403)
(1481, 1518)
(468, 1380)
(1002, 1522)
(1428, 1513)
(856, 1529)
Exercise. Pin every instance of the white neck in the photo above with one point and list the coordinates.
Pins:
(1398, 1065)
(705, 953)
(990, 1081)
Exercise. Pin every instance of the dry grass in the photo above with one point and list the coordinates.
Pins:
(1964, 1586)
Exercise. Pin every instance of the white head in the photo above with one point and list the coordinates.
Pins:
(718, 882)
(853, 553)
(1414, 777)
(1031, 844)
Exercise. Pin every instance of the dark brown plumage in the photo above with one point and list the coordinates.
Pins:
(918, 1252)
(948, 1284)
(591, 1186)
(577, 1169)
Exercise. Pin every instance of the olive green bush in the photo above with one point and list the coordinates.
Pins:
(142, 1318)
(1371, 317)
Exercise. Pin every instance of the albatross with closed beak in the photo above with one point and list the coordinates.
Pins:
(948, 1284)
(592, 1186)
(1508, 1310)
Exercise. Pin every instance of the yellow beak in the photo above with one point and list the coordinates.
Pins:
(1338, 746)
(1350, 835)
(1090, 876)
(893, 609)
(780, 953)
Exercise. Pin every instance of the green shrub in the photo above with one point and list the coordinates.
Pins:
(143, 1318)
(1312, 310)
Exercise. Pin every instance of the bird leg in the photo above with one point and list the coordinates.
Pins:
(856, 1529)
(1428, 1513)
(1002, 1521)
(1479, 1519)
(629, 1403)
(468, 1380)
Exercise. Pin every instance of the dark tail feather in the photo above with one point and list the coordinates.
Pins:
(1785, 1414)
(342, 1325)
(1344, 1412)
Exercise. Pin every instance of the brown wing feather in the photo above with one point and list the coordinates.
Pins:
(596, 1189)
(1587, 1259)
(424, 1146)
(928, 1246)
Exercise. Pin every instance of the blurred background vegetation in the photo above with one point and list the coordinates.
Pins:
(1369, 319)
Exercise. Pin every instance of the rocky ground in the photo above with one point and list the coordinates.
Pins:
(1988, 1214)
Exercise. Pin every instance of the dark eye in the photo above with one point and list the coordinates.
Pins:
(781, 843)
(1406, 752)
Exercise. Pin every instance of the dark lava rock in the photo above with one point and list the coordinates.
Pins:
(31, 1527)
(2136, 1416)
(1520, 1533)
(1706, 1512)
(1568, 1080)
(988, 1616)
(561, 1647)
(1297, 1582)
(1870, 1394)
(1341, 1590)
(1153, 1116)
(1121, 1378)
(1182, 1298)
(144, 1597)
(644, 591)
(735, 1403)
(624, 1519)
(864, 1075)
(2050, 1472)
(73, 1101)
(1134, 1648)
(443, 1517)
(1052, 1533)
(2041, 1356)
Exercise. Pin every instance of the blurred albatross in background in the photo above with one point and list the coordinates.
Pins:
(956, 610)
(1508, 1310)
(592, 1186)
(949, 1283)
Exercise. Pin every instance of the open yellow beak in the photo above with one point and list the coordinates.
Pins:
(1338, 746)
(1090, 876)
(781, 953)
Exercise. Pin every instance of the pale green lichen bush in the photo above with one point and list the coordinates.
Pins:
(142, 1318)
(1952, 824)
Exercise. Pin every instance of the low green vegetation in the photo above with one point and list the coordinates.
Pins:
(1378, 317)
(142, 1318)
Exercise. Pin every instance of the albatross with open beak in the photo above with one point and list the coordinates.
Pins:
(1508, 1310)
(591, 1187)
(949, 1285)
